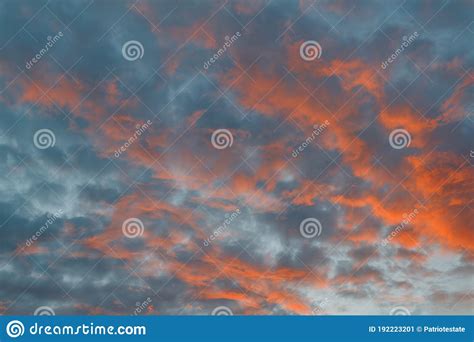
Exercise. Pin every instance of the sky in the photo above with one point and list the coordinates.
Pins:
(266, 157)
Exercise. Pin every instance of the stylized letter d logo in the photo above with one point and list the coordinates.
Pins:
(15, 329)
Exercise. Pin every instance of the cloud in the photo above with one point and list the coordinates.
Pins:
(107, 167)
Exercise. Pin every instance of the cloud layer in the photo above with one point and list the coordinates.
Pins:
(177, 157)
